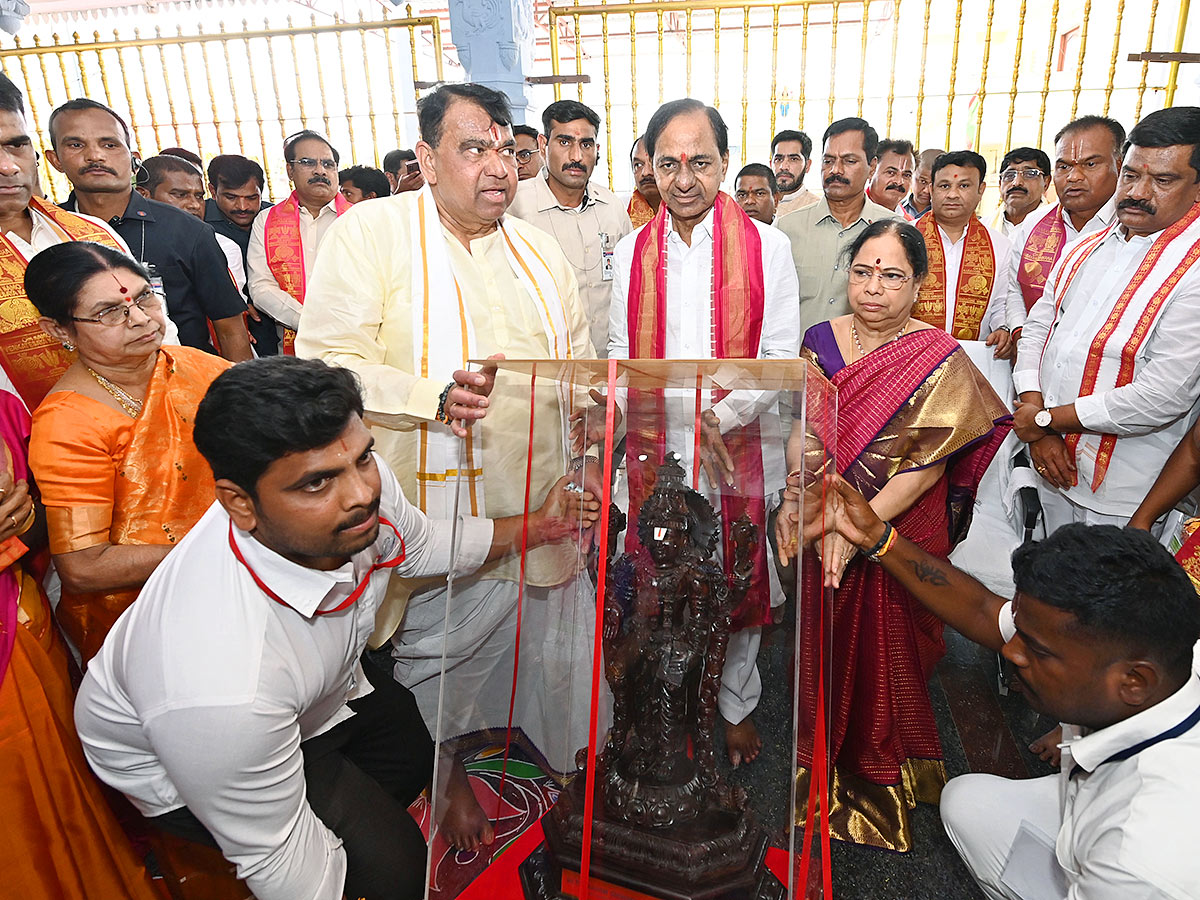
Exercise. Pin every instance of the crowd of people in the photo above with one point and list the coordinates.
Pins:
(244, 447)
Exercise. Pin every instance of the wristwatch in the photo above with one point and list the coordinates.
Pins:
(1042, 419)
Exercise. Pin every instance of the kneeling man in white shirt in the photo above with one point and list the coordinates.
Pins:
(229, 703)
(1100, 633)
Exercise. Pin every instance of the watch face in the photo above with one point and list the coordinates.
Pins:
(1042, 419)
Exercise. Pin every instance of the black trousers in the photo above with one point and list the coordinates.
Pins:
(361, 776)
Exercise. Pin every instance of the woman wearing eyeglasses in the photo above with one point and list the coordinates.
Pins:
(917, 426)
(111, 448)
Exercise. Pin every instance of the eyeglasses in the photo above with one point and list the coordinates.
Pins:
(1011, 174)
(891, 281)
(147, 301)
(307, 162)
(523, 156)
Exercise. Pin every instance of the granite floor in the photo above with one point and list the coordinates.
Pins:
(981, 730)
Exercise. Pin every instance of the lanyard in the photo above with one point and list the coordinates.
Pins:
(354, 595)
(1182, 728)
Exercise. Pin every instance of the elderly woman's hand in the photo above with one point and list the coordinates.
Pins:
(16, 507)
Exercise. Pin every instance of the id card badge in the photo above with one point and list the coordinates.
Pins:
(606, 257)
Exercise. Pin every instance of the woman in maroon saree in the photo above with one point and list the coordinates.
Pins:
(917, 427)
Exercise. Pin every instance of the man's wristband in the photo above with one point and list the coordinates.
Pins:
(441, 415)
(580, 461)
(884, 544)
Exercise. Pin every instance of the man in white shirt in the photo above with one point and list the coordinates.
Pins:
(1108, 368)
(967, 285)
(1101, 633)
(688, 145)
(229, 703)
(1024, 179)
(285, 237)
(586, 219)
(1087, 158)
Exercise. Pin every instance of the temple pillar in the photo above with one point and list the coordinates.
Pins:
(494, 39)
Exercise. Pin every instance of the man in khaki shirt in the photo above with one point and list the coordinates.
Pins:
(585, 219)
(821, 233)
(384, 301)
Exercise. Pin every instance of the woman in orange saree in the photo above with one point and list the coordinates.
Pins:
(61, 840)
(917, 427)
(112, 447)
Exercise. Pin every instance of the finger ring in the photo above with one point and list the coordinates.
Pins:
(11, 519)
(1042, 469)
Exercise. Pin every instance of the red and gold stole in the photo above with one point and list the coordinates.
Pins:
(1188, 555)
(640, 210)
(1141, 328)
(285, 252)
(975, 279)
(1040, 253)
(33, 360)
(738, 297)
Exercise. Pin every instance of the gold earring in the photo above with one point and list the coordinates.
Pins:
(68, 346)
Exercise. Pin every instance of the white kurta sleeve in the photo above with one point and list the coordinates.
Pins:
(265, 292)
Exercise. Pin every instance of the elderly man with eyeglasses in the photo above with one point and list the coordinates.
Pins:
(284, 238)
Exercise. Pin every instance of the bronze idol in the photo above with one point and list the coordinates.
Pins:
(667, 824)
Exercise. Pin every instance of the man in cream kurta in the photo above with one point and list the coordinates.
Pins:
(384, 301)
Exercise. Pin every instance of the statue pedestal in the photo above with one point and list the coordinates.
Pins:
(720, 856)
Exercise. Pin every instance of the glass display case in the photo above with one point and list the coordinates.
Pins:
(595, 685)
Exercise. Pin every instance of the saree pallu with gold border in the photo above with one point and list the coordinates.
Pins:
(913, 403)
(61, 839)
(106, 478)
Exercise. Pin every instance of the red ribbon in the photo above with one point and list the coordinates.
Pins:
(354, 595)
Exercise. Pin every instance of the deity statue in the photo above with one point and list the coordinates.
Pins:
(666, 627)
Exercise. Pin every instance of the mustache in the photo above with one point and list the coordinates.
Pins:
(358, 520)
(318, 179)
(896, 187)
(1144, 205)
(100, 169)
(573, 167)
(1016, 190)
(837, 179)
(646, 179)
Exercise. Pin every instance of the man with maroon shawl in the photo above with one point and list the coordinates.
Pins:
(703, 280)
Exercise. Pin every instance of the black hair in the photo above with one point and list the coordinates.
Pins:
(367, 180)
(232, 171)
(263, 409)
(82, 103)
(753, 169)
(1171, 127)
(910, 239)
(11, 98)
(153, 170)
(870, 137)
(1027, 155)
(888, 145)
(54, 277)
(431, 109)
(789, 135)
(183, 153)
(966, 159)
(1083, 123)
(1121, 585)
(564, 111)
(290, 142)
(640, 139)
(525, 131)
(394, 160)
(670, 110)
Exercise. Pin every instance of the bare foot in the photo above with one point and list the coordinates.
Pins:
(1046, 747)
(742, 741)
(464, 826)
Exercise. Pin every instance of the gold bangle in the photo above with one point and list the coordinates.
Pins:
(29, 520)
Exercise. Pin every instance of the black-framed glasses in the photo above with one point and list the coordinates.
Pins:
(147, 301)
(1011, 174)
(307, 162)
(891, 281)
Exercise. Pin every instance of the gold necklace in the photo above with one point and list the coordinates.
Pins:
(132, 405)
(858, 343)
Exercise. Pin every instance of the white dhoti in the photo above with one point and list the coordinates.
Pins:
(477, 636)
(1059, 510)
(1004, 829)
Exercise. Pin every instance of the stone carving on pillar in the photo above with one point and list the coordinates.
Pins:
(494, 39)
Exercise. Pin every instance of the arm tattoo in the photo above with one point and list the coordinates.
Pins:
(927, 572)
